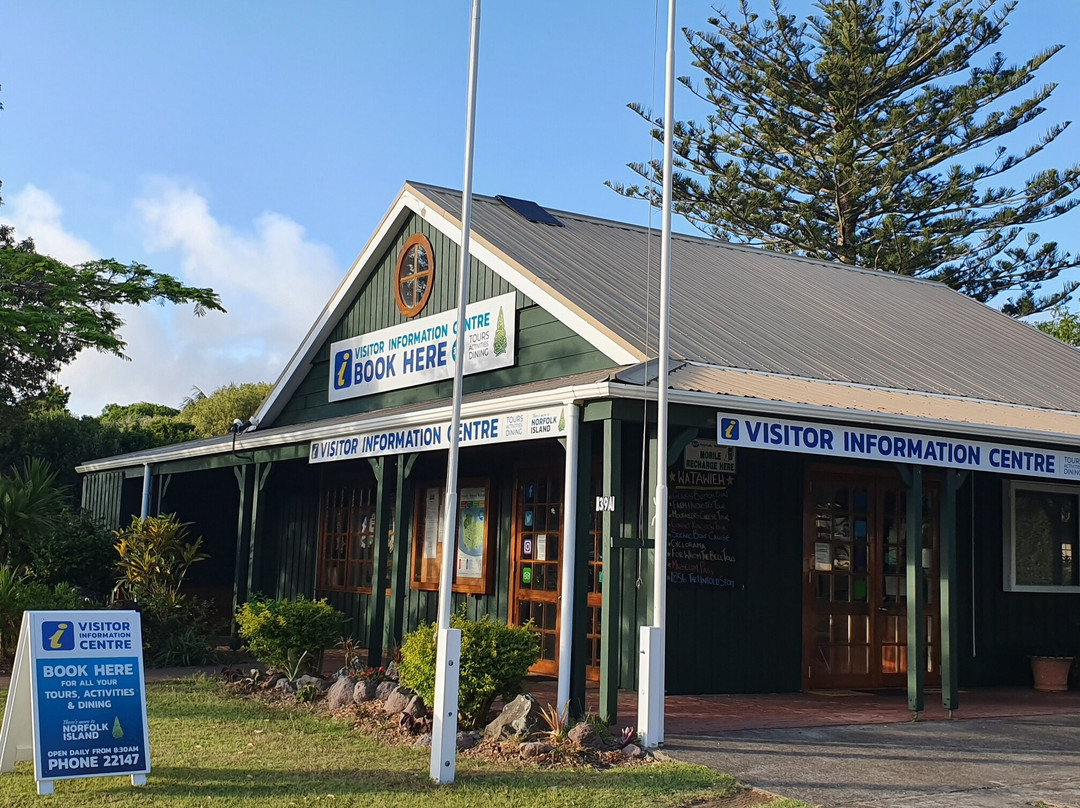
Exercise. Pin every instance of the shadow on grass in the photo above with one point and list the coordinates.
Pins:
(206, 782)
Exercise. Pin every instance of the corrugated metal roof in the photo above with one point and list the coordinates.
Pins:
(960, 411)
(741, 307)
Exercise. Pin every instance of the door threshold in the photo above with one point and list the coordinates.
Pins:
(838, 693)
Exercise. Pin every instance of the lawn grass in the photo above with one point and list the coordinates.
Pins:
(211, 748)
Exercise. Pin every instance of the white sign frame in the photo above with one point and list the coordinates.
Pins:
(95, 658)
(504, 427)
(422, 350)
(862, 442)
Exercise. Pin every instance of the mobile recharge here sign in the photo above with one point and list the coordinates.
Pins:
(864, 443)
(88, 704)
(423, 350)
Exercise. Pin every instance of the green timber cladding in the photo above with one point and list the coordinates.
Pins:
(547, 348)
(754, 333)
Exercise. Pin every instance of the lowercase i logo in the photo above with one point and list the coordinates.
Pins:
(57, 635)
(343, 372)
(729, 428)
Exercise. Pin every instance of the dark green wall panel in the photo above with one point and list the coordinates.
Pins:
(1009, 626)
(546, 348)
(747, 639)
(102, 492)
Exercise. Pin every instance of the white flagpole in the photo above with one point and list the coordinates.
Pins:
(651, 673)
(448, 653)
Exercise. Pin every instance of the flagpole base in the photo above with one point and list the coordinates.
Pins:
(651, 687)
(444, 713)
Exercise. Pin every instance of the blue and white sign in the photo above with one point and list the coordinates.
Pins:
(547, 422)
(78, 680)
(868, 443)
(423, 350)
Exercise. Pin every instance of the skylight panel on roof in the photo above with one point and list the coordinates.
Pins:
(529, 210)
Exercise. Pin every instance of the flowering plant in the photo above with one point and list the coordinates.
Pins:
(369, 674)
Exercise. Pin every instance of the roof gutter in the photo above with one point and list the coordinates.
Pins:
(303, 434)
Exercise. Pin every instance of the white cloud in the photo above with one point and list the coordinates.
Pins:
(34, 213)
(270, 277)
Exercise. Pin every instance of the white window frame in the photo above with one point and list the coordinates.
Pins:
(1009, 488)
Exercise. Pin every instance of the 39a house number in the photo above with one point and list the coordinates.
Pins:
(605, 504)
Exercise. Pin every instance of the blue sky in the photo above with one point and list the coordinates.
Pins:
(254, 146)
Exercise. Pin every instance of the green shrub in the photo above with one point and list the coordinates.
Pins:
(18, 593)
(154, 557)
(494, 660)
(78, 551)
(176, 631)
(287, 634)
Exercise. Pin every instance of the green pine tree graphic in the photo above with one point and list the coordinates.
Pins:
(500, 335)
(117, 731)
(562, 420)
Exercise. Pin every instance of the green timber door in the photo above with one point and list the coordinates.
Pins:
(855, 580)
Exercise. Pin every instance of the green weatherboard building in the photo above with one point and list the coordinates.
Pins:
(817, 413)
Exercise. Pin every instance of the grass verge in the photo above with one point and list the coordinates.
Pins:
(209, 748)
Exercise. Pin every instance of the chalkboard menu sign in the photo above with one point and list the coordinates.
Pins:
(700, 550)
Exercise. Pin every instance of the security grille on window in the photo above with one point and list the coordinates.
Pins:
(1042, 537)
(347, 540)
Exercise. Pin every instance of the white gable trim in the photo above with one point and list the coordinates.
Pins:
(410, 200)
(610, 344)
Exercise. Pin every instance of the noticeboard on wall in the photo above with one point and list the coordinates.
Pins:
(472, 546)
(700, 548)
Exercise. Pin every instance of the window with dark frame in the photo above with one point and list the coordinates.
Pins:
(347, 539)
(414, 275)
(1044, 537)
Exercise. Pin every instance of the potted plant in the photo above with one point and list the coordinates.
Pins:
(1050, 672)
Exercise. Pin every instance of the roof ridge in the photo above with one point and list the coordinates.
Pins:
(702, 240)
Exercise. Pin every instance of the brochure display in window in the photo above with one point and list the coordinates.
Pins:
(472, 553)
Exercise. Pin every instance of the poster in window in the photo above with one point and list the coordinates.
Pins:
(472, 554)
(470, 533)
(432, 522)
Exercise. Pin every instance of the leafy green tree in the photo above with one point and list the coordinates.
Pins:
(867, 135)
(161, 424)
(43, 427)
(50, 311)
(214, 414)
(1063, 324)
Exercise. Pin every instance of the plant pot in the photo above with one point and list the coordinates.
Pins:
(1051, 673)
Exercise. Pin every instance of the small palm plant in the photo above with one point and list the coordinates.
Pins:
(30, 505)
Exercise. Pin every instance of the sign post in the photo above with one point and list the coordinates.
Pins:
(77, 702)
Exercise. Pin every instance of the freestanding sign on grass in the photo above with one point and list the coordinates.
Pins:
(77, 703)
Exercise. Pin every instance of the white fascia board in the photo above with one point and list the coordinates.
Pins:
(409, 200)
(249, 441)
(364, 264)
(611, 345)
(761, 406)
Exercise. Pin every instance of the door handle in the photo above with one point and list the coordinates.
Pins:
(882, 609)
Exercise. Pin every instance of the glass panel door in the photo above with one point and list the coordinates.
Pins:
(534, 569)
(855, 589)
(839, 583)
